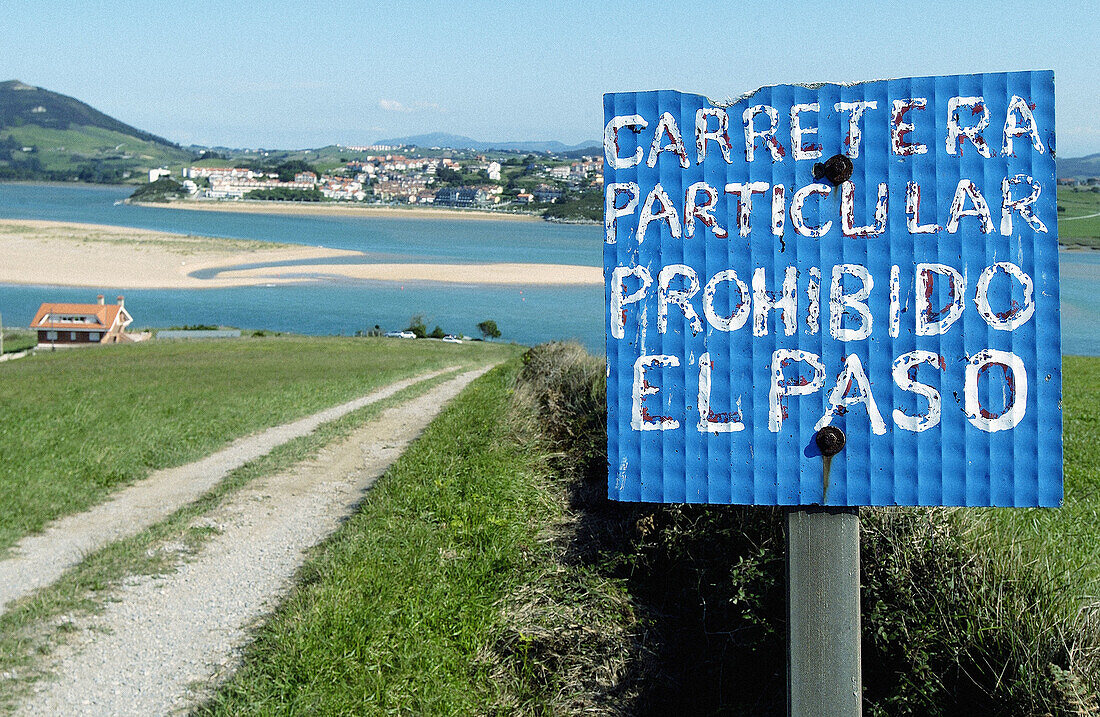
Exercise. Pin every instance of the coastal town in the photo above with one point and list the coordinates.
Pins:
(385, 175)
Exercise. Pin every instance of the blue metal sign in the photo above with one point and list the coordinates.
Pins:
(879, 257)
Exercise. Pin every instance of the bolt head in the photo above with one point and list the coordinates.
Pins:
(830, 441)
(838, 169)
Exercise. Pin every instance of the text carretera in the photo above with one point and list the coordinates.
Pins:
(888, 298)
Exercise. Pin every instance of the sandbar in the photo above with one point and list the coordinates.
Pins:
(94, 255)
(347, 210)
(496, 273)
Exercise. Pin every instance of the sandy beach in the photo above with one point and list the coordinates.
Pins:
(93, 255)
(332, 209)
(510, 274)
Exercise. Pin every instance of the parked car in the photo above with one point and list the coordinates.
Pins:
(401, 334)
(452, 339)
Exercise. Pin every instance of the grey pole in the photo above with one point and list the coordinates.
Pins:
(823, 615)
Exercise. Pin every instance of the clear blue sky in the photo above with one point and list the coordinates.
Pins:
(280, 74)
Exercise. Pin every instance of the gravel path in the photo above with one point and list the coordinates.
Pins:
(39, 560)
(146, 653)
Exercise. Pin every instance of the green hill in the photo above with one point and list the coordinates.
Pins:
(48, 136)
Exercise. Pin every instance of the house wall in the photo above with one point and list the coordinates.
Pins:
(66, 337)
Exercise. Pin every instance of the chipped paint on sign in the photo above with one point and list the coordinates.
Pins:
(939, 354)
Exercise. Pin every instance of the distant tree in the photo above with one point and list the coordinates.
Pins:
(282, 194)
(488, 329)
(291, 167)
(437, 333)
(446, 175)
(416, 325)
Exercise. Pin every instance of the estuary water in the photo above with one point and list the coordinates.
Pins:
(525, 314)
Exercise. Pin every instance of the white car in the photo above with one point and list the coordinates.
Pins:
(451, 340)
(401, 334)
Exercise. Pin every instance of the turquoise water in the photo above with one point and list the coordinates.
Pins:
(525, 314)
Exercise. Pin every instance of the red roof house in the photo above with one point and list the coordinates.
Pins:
(97, 323)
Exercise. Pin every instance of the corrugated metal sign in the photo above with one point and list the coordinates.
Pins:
(881, 258)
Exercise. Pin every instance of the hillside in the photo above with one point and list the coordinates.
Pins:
(49, 136)
(454, 141)
(1079, 167)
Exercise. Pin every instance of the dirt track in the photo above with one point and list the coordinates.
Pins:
(164, 635)
(39, 560)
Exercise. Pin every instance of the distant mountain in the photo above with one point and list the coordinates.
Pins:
(455, 141)
(46, 135)
(1079, 167)
(22, 104)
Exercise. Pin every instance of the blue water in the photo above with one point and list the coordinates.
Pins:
(526, 314)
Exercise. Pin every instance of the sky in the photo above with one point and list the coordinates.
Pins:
(293, 75)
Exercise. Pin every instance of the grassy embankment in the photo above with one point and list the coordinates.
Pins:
(19, 340)
(487, 574)
(32, 627)
(1079, 233)
(76, 425)
(393, 611)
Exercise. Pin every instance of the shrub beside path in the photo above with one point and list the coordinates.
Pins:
(39, 560)
(163, 636)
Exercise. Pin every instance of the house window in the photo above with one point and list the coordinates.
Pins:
(51, 336)
(94, 336)
(72, 336)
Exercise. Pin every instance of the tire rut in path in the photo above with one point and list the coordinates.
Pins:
(39, 560)
(162, 636)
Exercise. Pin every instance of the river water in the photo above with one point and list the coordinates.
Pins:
(526, 314)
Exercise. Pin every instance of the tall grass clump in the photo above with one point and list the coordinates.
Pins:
(952, 624)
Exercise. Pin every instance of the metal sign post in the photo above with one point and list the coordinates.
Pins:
(824, 669)
(823, 616)
(834, 296)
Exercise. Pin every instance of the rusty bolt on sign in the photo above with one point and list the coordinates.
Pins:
(830, 441)
(837, 169)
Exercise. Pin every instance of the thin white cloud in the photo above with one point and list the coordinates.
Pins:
(395, 106)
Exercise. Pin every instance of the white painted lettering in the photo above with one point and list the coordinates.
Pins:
(764, 301)
(640, 417)
(611, 141)
(780, 386)
(839, 303)
(1014, 391)
(852, 376)
(905, 376)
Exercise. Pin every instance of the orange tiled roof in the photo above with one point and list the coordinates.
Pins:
(104, 316)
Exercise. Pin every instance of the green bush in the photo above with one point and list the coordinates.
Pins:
(488, 329)
(417, 326)
(953, 624)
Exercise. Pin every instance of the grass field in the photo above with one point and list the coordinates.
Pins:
(78, 424)
(468, 585)
(393, 612)
(1077, 232)
(63, 150)
(1064, 542)
(18, 340)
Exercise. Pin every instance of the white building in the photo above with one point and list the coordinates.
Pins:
(155, 174)
(494, 171)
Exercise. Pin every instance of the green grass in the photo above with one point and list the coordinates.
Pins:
(56, 147)
(77, 425)
(1079, 233)
(32, 627)
(393, 612)
(19, 340)
(1063, 543)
